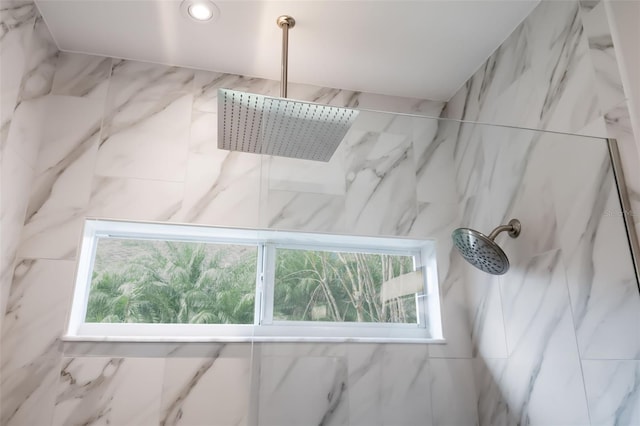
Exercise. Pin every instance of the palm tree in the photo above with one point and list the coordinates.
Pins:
(177, 283)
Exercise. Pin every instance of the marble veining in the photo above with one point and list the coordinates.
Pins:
(223, 189)
(98, 391)
(81, 75)
(17, 20)
(607, 73)
(33, 323)
(133, 81)
(40, 64)
(305, 211)
(134, 199)
(213, 391)
(542, 349)
(613, 391)
(64, 172)
(380, 165)
(453, 396)
(138, 136)
(322, 400)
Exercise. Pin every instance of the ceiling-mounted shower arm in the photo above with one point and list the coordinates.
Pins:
(285, 22)
(513, 228)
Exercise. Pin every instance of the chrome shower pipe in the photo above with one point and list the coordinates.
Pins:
(513, 228)
(285, 22)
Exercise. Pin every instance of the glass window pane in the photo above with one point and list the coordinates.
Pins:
(150, 281)
(335, 286)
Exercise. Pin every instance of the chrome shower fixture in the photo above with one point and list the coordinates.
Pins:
(481, 250)
(282, 127)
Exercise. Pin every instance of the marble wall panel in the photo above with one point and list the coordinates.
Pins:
(223, 189)
(604, 293)
(15, 181)
(103, 391)
(453, 396)
(212, 391)
(40, 65)
(301, 211)
(292, 392)
(603, 56)
(63, 177)
(379, 169)
(613, 391)
(389, 385)
(146, 139)
(133, 81)
(17, 18)
(543, 365)
(208, 83)
(434, 159)
(134, 199)
(82, 76)
(34, 321)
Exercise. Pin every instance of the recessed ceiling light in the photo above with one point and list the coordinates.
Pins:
(200, 10)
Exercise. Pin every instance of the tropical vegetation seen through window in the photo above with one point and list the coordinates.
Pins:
(151, 281)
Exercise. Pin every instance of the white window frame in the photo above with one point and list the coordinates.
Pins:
(428, 329)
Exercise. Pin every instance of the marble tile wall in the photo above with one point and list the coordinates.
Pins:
(27, 59)
(567, 315)
(136, 141)
(130, 140)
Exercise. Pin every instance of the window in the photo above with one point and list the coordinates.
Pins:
(143, 281)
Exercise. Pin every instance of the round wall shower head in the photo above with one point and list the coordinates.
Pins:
(482, 251)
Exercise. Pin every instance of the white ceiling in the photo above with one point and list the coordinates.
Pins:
(420, 49)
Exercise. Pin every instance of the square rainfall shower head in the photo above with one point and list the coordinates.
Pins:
(282, 127)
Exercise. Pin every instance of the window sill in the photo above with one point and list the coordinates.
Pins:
(248, 339)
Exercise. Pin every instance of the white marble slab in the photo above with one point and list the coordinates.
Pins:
(543, 365)
(104, 391)
(64, 173)
(15, 184)
(203, 137)
(156, 349)
(17, 20)
(40, 63)
(146, 139)
(34, 321)
(405, 386)
(389, 384)
(604, 292)
(301, 211)
(456, 324)
(208, 83)
(613, 391)
(134, 199)
(434, 160)
(23, 137)
(380, 170)
(453, 395)
(211, 391)
(81, 75)
(603, 57)
(133, 81)
(292, 393)
(290, 174)
(223, 189)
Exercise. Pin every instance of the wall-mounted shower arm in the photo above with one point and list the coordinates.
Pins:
(513, 228)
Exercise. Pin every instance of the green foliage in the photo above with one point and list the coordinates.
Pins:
(176, 283)
(167, 282)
